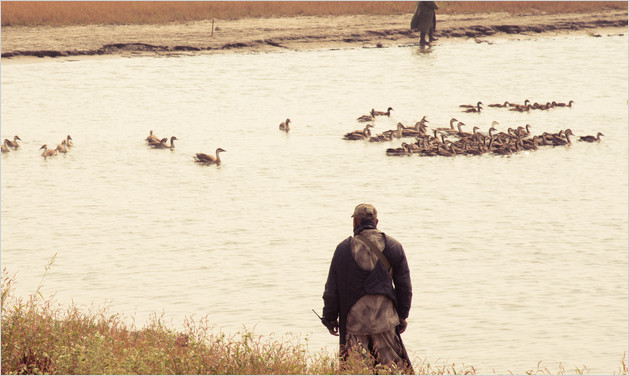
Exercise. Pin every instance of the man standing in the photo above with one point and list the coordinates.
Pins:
(361, 305)
(425, 19)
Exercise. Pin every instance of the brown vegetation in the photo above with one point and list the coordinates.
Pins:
(65, 13)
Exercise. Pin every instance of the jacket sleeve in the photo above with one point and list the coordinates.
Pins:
(401, 280)
(331, 301)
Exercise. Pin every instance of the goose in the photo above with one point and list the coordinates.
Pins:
(560, 104)
(451, 126)
(284, 126)
(163, 145)
(47, 153)
(5, 148)
(62, 147)
(471, 105)
(591, 138)
(505, 104)
(366, 118)
(359, 135)
(381, 113)
(446, 151)
(69, 142)
(209, 159)
(156, 144)
(457, 131)
(402, 150)
(474, 109)
(382, 137)
(468, 134)
(560, 141)
(13, 143)
(151, 138)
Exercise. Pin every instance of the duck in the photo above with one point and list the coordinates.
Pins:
(477, 108)
(505, 104)
(591, 138)
(558, 141)
(284, 125)
(156, 144)
(560, 104)
(451, 126)
(209, 159)
(151, 138)
(69, 142)
(381, 113)
(402, 150)
(471, 105)
(163, 145)
(367, 118)
(359, 135)
(5, 148)
(457, 131)
(47, 153)
(62, 147)
(13, 144)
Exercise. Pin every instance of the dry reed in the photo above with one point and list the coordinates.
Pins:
(65, 13)
(40, 337)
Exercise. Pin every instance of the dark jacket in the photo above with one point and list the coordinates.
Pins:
(424, 17)
(347, 282)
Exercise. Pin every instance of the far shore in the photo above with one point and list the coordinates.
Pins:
(24, 44)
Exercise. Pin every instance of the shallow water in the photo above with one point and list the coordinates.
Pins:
(515, 260)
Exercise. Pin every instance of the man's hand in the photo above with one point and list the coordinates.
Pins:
(333, 327)
(402, 326)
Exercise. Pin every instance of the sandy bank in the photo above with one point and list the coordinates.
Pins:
(290, 33)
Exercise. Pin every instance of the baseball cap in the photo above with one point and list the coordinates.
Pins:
(365, 211)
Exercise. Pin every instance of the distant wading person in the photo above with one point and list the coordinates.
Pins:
(425, 19)
(361, 305)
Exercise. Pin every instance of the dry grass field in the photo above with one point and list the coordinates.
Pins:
(67, 13)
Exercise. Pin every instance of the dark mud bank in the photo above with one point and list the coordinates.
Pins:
(373, 36)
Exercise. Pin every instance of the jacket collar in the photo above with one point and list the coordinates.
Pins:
(365, 224)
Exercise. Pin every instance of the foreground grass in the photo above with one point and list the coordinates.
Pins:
(65, 13)
(39, 337)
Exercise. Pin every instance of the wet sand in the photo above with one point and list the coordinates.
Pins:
(290, 33)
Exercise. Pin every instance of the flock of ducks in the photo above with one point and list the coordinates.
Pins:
(64, 146)
(433, 143)
(453, 140)
(526, 107)
(157, 143)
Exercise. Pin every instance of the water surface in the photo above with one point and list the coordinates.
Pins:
(514, 260)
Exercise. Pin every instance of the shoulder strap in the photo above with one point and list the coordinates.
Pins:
(374, 249)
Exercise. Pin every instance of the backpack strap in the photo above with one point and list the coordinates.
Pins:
(374, 249)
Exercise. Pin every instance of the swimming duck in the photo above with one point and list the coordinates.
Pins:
(591, 138)
(62, 147)
(451, 126)
(284, 126)
(471, 105)
(402, 150)
(13, 144)
(381, 113)
(557, 141)
(359, 135)
(209, 159)
(5, 148)
(151, 138)
(474, 109)
(47, 153)
(163, 145)
(366, 118)
(505, 104)
(560, 104)
(69, 142)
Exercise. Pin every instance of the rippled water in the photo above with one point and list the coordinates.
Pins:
(514, 260)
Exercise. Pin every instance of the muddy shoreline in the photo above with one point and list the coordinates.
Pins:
(290, 33)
